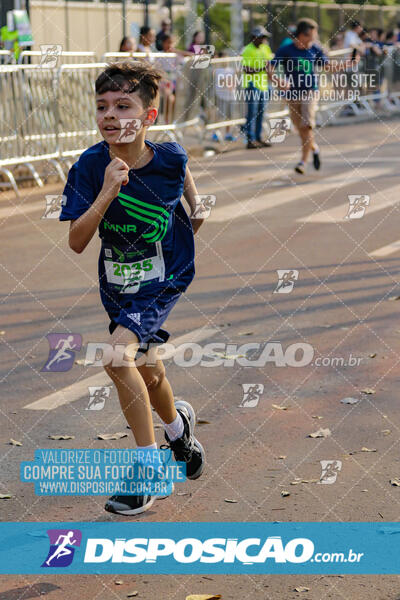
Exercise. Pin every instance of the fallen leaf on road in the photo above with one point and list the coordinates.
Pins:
(316, 417)
(132, 594)
(111, 436)
(14, 442)
(61, 437)
(202, 422)
(231, 501)
(279, 407)
(395, 481)
(394, 298)
(246, 333)
(282, 457)
(364, 449)
(2, 332)
(228, 356)
(350, 400)
(386, 431)
(84, 362)
(372, 355)
(368, 391)
(297, 481)
(182, 493)
(301, 588)
(5, 496)
(284, 493)
(321, 433)
(118, 582)
(204, 597)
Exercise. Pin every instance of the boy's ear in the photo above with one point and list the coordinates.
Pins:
(151, 116)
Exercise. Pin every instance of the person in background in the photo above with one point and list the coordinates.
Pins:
(336, 42)
(255, 58)
(166, 26)
(224, 77)
(291, 30)
(198, 39)
(146, 39)
(299, 61)
(169, 65)
(168, 42)
(352, 36)
(390, 39)
(128, 44)
(372, 58)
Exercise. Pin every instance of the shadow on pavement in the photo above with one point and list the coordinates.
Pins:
(29, 591)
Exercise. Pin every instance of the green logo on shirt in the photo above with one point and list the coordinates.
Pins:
(119, 228)
(155, 216)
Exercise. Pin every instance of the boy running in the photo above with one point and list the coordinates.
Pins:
(131, 191)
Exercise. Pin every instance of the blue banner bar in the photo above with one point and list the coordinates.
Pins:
(187, 548)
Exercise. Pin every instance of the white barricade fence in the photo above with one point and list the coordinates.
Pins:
(27, 119)
(47, 110)
(6, 57)
(53, 53)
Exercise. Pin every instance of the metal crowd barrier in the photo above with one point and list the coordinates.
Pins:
(6, 57)
(48, 114)
(34, 57)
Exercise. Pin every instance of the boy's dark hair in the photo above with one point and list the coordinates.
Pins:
(354, 24)
(305, 25)
(130, 76)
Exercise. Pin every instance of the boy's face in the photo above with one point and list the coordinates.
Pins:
(119, 111)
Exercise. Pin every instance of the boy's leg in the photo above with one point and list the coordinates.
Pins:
(178, 420)
(132, 390)
(160, 391)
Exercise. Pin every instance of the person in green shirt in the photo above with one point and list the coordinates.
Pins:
(255, 58)
(9, 40)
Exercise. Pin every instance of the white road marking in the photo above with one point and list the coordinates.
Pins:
(378, 201)
(80, 389)
(386, 250)
(298, 192)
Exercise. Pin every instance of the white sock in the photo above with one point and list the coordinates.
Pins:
(174, 430)
(151, 447)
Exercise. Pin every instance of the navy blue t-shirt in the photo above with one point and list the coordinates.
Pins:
(299, 65)
(147, 237)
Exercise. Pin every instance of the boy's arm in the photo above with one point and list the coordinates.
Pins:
(191, 197)
(83, 229)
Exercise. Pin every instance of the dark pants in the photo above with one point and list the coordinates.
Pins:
(256, 103)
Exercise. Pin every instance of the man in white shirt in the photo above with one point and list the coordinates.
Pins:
(352, 36)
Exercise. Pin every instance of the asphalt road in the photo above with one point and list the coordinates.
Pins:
(342, 305)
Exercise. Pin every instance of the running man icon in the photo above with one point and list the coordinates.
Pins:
(61, 550)
(286, 280)
(62, 351)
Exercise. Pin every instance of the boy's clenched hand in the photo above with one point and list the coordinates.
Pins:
(115, 175)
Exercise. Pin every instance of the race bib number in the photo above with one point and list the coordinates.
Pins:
(128, 276)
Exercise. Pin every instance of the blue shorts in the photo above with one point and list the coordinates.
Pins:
(142, 313)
